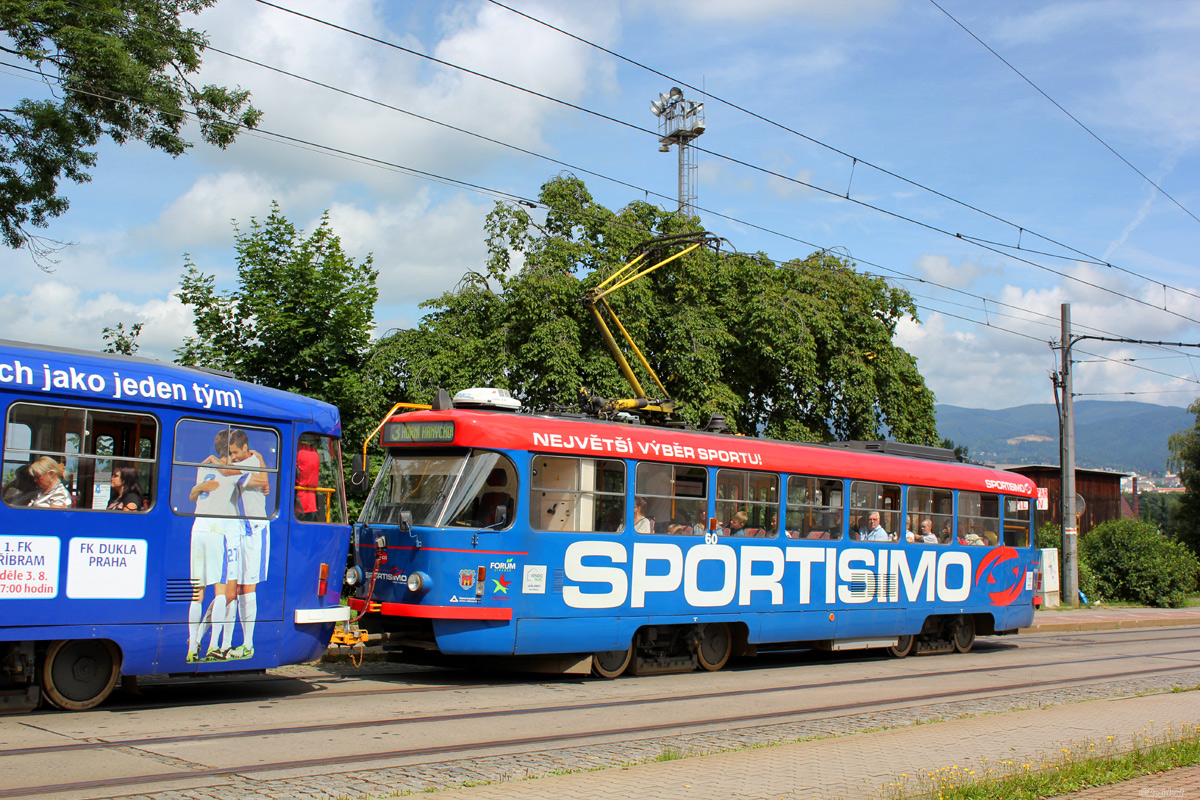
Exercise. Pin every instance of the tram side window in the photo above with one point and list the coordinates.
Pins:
(930, 515)
(748, 503)
(225, 469)
(814, 508)
(1017, 521)
(675, 497)
(319, 496)
(77, 452)
(577, 494)
(978, 519)
(874, 506)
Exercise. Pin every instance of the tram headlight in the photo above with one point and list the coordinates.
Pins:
(419, 583)
(354, 575)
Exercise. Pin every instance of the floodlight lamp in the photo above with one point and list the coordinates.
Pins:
(663, 98)
(655, 109)
(664, 148)
(676, 92)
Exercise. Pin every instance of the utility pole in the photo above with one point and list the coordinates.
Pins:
(679, 123)
(1070, 531)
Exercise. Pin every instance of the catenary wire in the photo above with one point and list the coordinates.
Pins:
(1056, 104)
(337, 152)
(772, 173)
(1082, 255)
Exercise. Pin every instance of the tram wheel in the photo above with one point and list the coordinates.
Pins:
(611, 663)
(715, 646)
(964, 634)
(902, 647)
(78, 674)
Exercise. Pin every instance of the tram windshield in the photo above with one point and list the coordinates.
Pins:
(456, 488)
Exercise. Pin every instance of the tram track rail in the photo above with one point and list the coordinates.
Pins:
(1027, 641)
(577, 737)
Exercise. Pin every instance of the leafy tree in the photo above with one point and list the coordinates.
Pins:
(117, 70)
(1185, 459)
(801, 350)
(1130, 560)
(1160, 509)
(119, 340)
(300, 318)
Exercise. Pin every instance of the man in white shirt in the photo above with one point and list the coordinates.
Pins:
(212, 559)
(875, 531)
(254, 540)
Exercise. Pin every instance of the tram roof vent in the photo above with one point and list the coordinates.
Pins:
(900, 449)
(487, 398)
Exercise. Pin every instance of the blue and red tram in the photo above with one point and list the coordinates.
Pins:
(650, 549)
(158, 519)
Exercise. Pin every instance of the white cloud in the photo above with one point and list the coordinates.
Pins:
(959, 274)
(59, 314)
(835, 12)
(420, 249)
(204, 215)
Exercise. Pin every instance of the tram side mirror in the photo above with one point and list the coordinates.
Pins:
(360, 475)
(405, 521)
(501, 516)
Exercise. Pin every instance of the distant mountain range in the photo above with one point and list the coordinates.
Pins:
(1124, 436)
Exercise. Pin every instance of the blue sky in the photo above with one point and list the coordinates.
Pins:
(891, 85)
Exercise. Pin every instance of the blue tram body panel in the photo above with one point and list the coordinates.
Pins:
(518, 590)
(86, 572)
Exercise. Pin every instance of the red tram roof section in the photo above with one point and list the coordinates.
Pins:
(601, 439)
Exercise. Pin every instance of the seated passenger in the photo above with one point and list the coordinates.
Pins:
(126, 494)
(641, 523)
(927, 536)
(737, 524)
(875, 531)
(47, 474)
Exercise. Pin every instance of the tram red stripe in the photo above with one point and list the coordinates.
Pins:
(438, 612)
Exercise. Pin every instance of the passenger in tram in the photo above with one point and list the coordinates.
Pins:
(47, 474)
(737, 524)
(854, 529)
(21, 490)
(126, 493)
(641, 523)
(927, 536)
(875, 531)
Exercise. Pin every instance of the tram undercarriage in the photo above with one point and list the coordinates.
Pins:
(665, 649)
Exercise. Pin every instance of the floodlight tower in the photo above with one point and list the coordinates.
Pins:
(679, 123)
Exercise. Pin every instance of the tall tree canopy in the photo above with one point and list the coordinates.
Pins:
(802, 350)
(116, 68)
(299, 320)
(1185, 458)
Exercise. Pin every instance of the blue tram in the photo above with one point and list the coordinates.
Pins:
(159, 519)
(650, 549)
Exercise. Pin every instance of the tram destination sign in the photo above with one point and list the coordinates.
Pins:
(407, 432)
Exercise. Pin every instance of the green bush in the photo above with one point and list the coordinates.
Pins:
(1129, 560)
(1047, 536)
